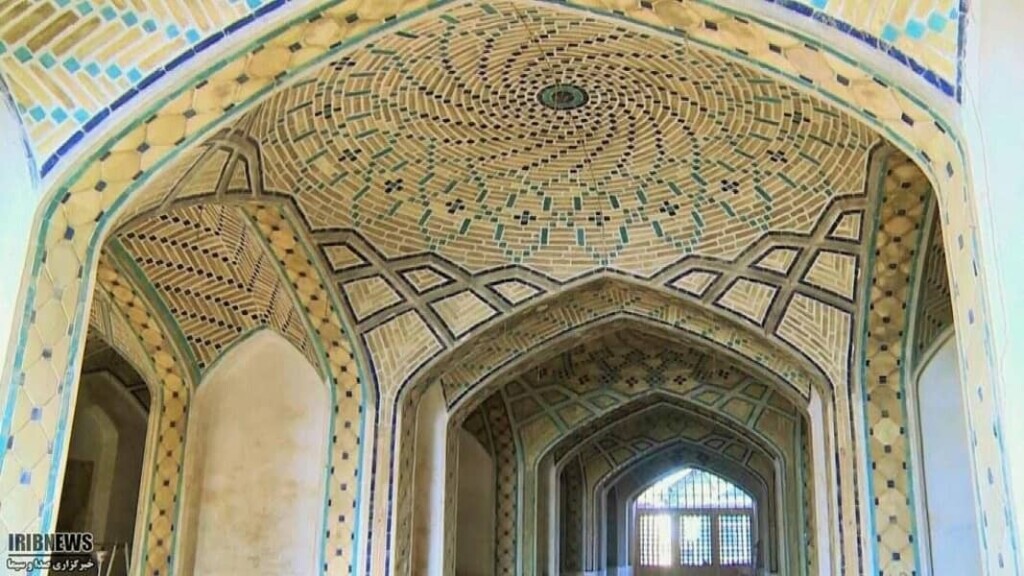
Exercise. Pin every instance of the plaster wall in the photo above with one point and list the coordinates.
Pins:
(428, 511)
(949, 485)
(992, 116)
(255, 491)
(21, 199)
(474, 548)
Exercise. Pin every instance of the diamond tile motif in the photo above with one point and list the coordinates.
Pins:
(749, 299)
(370, 295)
(515, 292)
(903, 212)
(778, 260)
(696, 282)
(426, 279)
(847, 227)
(833, 272)
(91, 195)
(525, 208)
(462, 312)
(342, 257)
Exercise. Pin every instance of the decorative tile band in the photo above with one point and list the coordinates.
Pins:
(64, 92)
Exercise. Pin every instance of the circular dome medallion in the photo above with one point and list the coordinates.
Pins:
(562, 96)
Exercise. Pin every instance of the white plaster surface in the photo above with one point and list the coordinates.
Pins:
(949, 482)
(993, 119)
(428, 504)
(257, 458)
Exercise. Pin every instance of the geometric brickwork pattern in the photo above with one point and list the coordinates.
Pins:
(897, 244)
(395, 297)
(109, 329)
(472, 165)
(934, 305)
(84, 200)
(405, 483)
(807, 504)
(576, 310)
(507, 478)
(171, 401)
(580, 385)
(491, 425)
(209, 267)
(70, 64)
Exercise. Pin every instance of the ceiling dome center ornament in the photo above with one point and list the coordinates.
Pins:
(563, 96)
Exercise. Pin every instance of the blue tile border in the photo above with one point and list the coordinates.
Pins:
(201, 45)
(884, 44)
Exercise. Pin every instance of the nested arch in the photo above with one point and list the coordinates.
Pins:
(631, 482)
(617, 443)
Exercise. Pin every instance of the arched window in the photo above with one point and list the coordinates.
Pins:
(697, 521)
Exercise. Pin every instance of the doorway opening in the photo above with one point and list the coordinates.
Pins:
(100, 494)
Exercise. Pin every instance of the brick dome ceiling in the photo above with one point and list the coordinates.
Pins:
(500, 134)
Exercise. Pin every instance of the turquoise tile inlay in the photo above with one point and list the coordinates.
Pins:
(72, 65)
(108, 13)
(890, 33)
(915, 29)
(937, 22)
(22, 54)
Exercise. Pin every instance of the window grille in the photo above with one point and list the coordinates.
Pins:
(656, 540)
(694, 519)
(734, 539)
(695, 540)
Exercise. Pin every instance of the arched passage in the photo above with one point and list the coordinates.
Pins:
(257, 463)
(890, 110)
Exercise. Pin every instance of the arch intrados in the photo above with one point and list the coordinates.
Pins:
(572, 336)
(616, 324)
(154, 388)
(661, 401)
